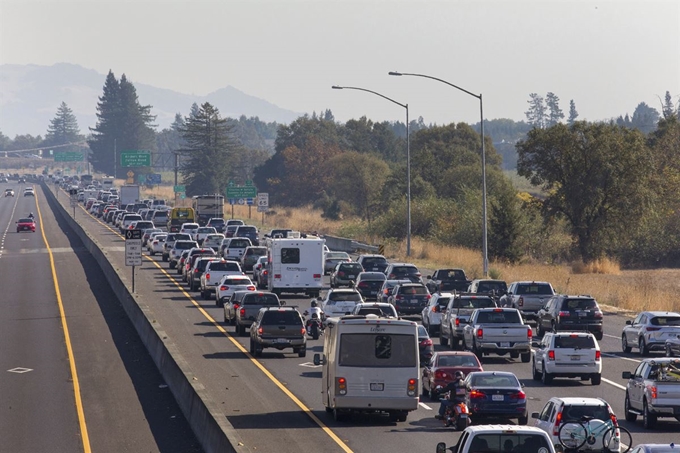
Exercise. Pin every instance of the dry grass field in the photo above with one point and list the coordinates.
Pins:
(633, 290)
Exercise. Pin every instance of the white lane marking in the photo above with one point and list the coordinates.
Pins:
(615, 384)
(425, 406)
(4, 235)
(616, 356)
(20, 370)
(611, 336)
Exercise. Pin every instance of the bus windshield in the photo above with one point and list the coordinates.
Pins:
(378, 350)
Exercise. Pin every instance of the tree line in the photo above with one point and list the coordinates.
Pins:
(606, 188)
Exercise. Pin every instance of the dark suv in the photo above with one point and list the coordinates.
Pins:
(248, 231)
(280, 328)
(409, 298)
(403, 271)
(376, 263)
(369, 284)
(570, 313)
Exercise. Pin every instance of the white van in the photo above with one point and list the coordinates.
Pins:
(295, 266)
(370, 364)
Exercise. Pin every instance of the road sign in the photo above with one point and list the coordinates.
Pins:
(242, 192)
(135, 159)
(153, 179)
(178, 189)
(74, 202)
(130, 177)
(263, 199)
(263, 209)
(250, 201)
(69, 156)
(133, 247)
(242, 201)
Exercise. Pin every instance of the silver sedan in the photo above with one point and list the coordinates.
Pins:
(649, 331)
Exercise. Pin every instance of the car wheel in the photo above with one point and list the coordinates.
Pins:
(454, 343)
(226, 321)
(624, 344)
(257, 350)
(514, 355)
(643, 347)
(526, 357)
(630, 416)
(424, 391)
(648, 420)
(204, 295)
(669, 351)
(152, 253)
(477, 352)
(165, 259)
(251, 348)
(535, 374)
(523, 420)
(599, 336)
(553, 327)
(443, 340)
(241, 330)
(302, 352)
(171, 265)
(539, 329)
(596, 379)
(546, 377)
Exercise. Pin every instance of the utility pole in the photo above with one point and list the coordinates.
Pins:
(115, 159)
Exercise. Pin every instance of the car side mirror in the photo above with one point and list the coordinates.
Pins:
(429, 277)
(283, 302)
(629, 323)
(535, 415)
(626, 375)
(319, 360)
(441, 447)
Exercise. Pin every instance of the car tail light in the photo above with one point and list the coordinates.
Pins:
(440, 374)
(224, 288)
(652, 329)
(236, 305)
(265, 272)
(317, 276)
(598, 314)
(551, 355)
(341, 274)
(251, 288)
(520, 302)
(435, 309)
(653, 391)
(477, 395)
(598, 355)
(615, 421)
(412, 387)
(391, 277)
(563, 313)
(260, 330)
(428, 296)
(196, 271)
(277, 276)
(362, 285)
(426, 342)
(243, 312)
(303, 331)
(480, 333)
(558, 422)
(530, 333)
(518, 395)
(341, 385)
(418, 274)
(457, 322)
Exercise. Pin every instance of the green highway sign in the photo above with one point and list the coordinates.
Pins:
(135, 159)
(241, 192)
(69, 156)
(178, 189)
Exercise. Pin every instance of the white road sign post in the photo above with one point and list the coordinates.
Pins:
(262, 204)
(133, 251)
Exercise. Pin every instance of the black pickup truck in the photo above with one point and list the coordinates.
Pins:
(447, 280)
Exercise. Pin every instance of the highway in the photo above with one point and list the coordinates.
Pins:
(274, 402)
(96, 391)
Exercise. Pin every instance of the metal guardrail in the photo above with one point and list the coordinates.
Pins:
(348, 245)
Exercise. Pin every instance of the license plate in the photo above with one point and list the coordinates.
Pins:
(351, 276)
(505, 344)
(462, 415)
(497, 397)
(282, 340)
(377, 386)
(414, 301)
(582, 314)
(373, 293)
(575, 357)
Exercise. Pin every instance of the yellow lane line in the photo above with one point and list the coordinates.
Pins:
(238, 345)
(67, 338)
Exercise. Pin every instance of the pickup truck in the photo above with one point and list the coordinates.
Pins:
(456, 315)
(527, 297)
(447, 280)
(493, 288)
(498, 331)
(500, 438)
(249, 307)
(214, 271)
(653, 391)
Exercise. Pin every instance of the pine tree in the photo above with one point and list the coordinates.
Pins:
(573, 114)
(103, 138)
(668, 108)
(63, 129)
(555, 114)
(536, 115)
(135, 133)
(209, 151)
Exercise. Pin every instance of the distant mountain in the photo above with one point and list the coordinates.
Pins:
(31, 94)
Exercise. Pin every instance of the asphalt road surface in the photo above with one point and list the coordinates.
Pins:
(115, 401)
(274, 402)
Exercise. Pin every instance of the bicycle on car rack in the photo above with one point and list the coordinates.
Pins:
(574, 434)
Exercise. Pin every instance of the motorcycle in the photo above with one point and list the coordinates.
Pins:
(457, 414)
(314, 326)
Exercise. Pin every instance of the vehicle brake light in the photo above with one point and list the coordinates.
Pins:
(362, 285)
(260, 330)
(316, 276)
(563, 313)
(530, 333)
(439, 374)
(412, 387)
(498, 310)
(652, 329)
(250, 288)
(476, 395)
(303, 331)
(428, 296)
(391, 277)
(598, 314)
(196, 271)
(558, 422)
(653, 391)
(457, 322)
(277, 276)
(341, 385)
(520, 302)
(341, 273)
(426, 342)
(615, 421)
(243, 312)
(224, 288)
(551, 355)
(518, 396)
(598, 355)
(265, 272)
(480, 333)
(435, 309)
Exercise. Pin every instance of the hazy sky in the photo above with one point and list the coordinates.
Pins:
(605, 55)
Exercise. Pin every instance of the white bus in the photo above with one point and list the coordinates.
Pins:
(370, 364)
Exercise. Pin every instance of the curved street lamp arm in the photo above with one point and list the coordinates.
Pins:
(394, 73)
(336, 87)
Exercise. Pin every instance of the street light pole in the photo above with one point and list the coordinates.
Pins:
(485, 247)
(408, 162)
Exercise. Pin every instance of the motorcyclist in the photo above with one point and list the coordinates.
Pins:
(31, 216)
(314, 312)
(457, 394)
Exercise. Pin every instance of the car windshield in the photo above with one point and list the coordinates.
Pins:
(405, 270)
(337, 256)
(25, 220)
(538, 289)
(574, 342)
(351, 267)
(499, 317)
(665, 321)
(577, 412)
(487, 287)
(257, 251)
(184, 245)
(345, 296)
(579, 304)
(378, 350)
(206, 230)
(239, 243)
(443, 301)
(201, 264)
(453, 274)
(236, 281)
(494, 380)
(413, 290)
(509, 442)
(373, 261)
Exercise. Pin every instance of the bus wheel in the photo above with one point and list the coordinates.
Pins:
(338, 416)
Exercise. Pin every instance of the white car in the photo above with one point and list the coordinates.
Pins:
(190, 229)
(157, 243)
(213, 241)
(202, 233)
(432, 313)
(229, 285)
(567, 354)
(381, 309)
(340, 302)
(649, 331)
(558, 410)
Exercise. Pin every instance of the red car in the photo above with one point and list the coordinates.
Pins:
(26, 224)
(442, 369)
